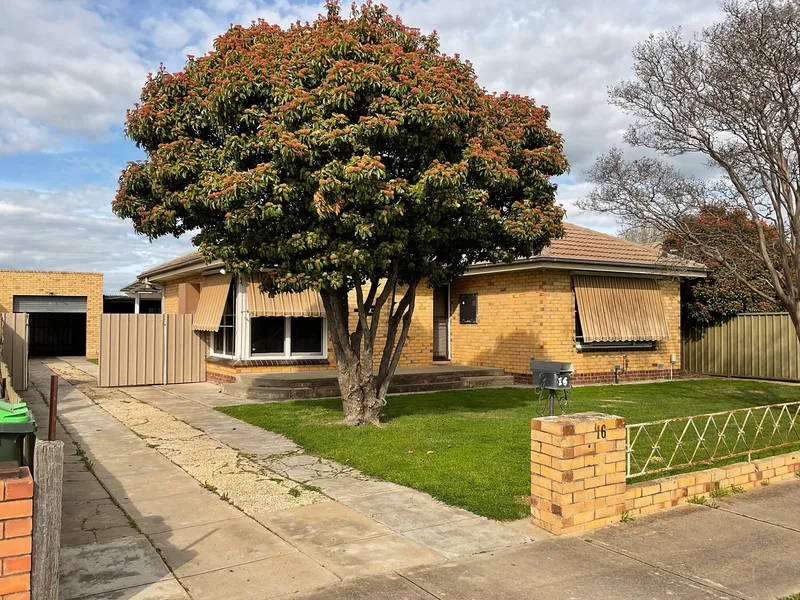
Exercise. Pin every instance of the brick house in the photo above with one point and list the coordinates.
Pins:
(600, 302)
(64, 309)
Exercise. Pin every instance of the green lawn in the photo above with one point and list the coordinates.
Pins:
(472, 448)
(93, 360)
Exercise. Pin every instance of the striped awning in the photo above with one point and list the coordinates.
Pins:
(211, 305)
(307, 303)
(620, 309)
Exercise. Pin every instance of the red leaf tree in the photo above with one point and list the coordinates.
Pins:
(340, 155)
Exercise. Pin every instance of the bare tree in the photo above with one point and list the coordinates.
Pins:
(731, 94)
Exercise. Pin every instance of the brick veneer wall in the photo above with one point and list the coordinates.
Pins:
(418, 349)
(532, 313)
(16, 510)
(46, 283)
(578, 475)
(520, 314)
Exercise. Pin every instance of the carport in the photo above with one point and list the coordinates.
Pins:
(57, 324)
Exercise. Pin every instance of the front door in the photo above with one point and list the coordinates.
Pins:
(441, 323)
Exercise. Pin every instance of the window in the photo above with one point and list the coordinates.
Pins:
(286, 337)
(468, 309)
(267, 335)
(605, 346)
(224, 340)
(306, 335)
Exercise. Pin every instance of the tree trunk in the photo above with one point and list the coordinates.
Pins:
(360, 402)
(364, 391)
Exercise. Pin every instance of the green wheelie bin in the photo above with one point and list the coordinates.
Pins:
(17, 433)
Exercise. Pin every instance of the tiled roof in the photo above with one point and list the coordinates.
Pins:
(180, 261)
(579, 244)
(140, 286)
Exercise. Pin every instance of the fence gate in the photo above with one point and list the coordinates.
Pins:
(151, 349)
(15, 347)
(761, 346)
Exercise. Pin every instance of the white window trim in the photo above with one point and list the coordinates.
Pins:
(240, 301)
(242, 337)
(287, 343)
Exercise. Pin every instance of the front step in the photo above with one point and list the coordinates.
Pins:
(247, 387)
(295, 381)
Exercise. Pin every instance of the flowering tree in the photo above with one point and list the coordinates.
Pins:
(345, 154)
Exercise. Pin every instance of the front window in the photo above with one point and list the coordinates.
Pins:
(224, 340)
(583, 346)
(286, 337)
(268, 335)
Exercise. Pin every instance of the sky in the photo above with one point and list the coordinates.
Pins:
(70, 68)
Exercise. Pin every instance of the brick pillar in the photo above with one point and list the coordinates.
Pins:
(577, 471)
(16, 509)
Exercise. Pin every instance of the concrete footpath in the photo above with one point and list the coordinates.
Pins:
(140, 526)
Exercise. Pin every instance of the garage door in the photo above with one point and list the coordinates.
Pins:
(49, 304)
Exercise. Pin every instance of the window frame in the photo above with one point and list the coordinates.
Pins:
(233, 297)
(461, 319)
(287, 342)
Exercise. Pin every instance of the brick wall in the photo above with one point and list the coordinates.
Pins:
(532, 313)
(170, 295)
(650, 496)
(16, 508)
(577, 471)
(418, 348)
(46, 283)
(520, 314)
(578, 475)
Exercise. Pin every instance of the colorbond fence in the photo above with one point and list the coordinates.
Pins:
(759, 346)
(150, 350)
(15, 347)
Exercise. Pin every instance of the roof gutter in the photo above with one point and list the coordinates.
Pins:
(588, 265)
(159, 275)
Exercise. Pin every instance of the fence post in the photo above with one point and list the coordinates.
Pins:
(577, 471)
(51, 429)
(47, 490)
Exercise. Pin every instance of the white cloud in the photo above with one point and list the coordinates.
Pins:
(18, 135)
(74, 230)
(65, 67)
(563, 54)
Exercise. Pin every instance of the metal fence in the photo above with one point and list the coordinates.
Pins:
(673, 444)
(150, 349)
(760, 346)
(14, 347)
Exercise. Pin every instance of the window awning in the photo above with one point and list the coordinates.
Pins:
(211, 305)
(620, 309)
(307, 303)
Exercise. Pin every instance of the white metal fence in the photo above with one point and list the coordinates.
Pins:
(673, 444)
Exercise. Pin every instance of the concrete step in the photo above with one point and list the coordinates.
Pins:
(246, 390)
(491, 381)
(240, 390)
(299, 380)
